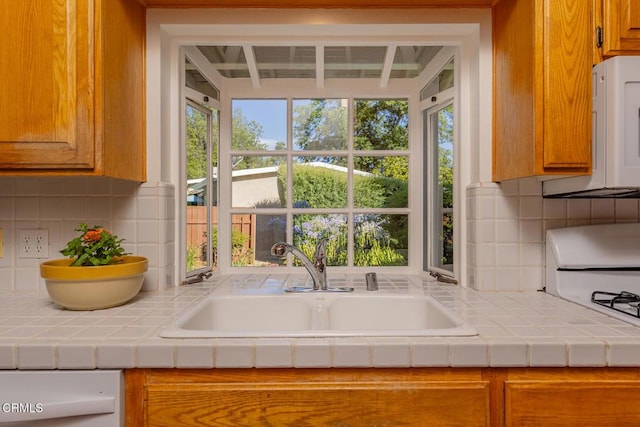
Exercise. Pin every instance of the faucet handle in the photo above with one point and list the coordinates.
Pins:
(372, 281)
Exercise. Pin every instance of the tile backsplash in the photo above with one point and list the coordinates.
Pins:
(505, 225)
(142, 214)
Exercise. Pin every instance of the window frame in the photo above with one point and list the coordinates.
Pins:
(409, 90)
(208, 105)
(427, 108)
(356, 89)
(170, 32)
(350, 153)
(432, 231)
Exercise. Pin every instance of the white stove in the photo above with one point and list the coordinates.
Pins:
(597, 266)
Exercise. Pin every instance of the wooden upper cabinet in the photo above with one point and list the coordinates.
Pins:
(72, 88)
(307, 4)
(542, 88)
(619, 21)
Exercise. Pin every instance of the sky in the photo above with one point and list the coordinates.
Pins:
(269, 113)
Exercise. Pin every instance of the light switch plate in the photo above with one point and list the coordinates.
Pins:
(33, 243)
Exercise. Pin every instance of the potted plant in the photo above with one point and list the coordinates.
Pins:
(97, 274)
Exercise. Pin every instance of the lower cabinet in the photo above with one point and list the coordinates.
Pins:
(382, 397)
(571, 397)
(297, 397)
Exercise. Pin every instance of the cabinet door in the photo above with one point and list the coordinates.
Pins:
(621, 27)
(357, 404)
(46, 84)
(320, 397)
(542, 88)
(579, 402)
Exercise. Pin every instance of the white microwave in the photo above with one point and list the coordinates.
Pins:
(615, 135)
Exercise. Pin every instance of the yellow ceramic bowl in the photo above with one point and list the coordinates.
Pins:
(93, 288)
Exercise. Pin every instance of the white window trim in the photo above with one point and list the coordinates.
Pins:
(469, 29)
(442, 99)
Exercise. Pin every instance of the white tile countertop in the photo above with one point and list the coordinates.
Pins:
(516, 329)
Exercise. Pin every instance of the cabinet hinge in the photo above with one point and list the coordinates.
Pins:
(599, 36)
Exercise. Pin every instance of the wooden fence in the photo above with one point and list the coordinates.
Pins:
(197, 226)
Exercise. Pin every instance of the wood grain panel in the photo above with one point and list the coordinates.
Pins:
(344, 375)
(307, 397)
(566, 100)
(570, 403)
(398, 397)
(514, 39)
(318, 404)
(317, 3)
(72, 92)
(46, 75)
(542, 88)
(621, 20)
(121, 123)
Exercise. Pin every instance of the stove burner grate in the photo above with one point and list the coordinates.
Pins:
(623, 302)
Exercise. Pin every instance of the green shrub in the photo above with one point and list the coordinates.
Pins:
(318, 187)
(240, 255)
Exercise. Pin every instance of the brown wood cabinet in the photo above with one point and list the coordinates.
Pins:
(72, 88)
(542, 88)
(299, 397)
(570, 397)
(619, 23)
(341, 4)
(367, 397)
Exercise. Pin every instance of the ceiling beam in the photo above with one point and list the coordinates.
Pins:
(388, 65)
(250, 56)
(204, 66)
(372, 66)
(408, 55)
(320, 66)
(232, 55)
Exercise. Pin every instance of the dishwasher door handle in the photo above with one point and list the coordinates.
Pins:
(75, 407)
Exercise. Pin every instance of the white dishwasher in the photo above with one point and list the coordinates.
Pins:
(91, 398)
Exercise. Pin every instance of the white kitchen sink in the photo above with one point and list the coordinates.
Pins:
(317, 315)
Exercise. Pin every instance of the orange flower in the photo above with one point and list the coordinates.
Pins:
(94, 235)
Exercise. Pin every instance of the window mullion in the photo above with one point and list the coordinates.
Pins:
(289, 195)
(224, 200)
(350, 195)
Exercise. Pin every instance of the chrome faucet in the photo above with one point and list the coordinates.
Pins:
(317, 269)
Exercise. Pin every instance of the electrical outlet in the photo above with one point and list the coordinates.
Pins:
(33, 243)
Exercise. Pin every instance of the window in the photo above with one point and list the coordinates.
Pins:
(301, 169)
(201, 134)
(367, 166)
(437, 98)
(440, 219)
(321, 174)
(418, 45)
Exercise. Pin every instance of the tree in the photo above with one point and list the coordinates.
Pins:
(445, 179)
(247, 136)
(320, 124)
(382, 125)
(196, 133)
